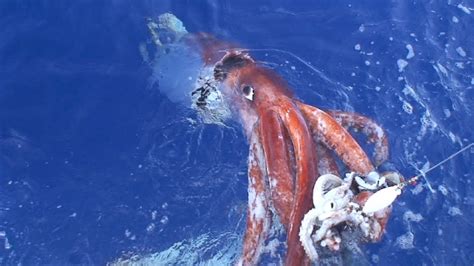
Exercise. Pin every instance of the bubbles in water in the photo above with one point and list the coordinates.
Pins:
(447, 113)
(164, 220)
(443, 190)
(151, 227)
(454, 211)
(407, 107)
(461, 51)
(465, 9)
(411, 53)
(401, 65)
(405, 241)
(410, 216)
(418, 189)
(219, 250)
(6, 245)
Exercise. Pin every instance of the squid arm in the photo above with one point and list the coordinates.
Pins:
(258, 213)
(278, 159)
(337, 138)
(375, 133)
(306, 172)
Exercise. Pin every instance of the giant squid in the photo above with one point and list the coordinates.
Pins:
(291, 144)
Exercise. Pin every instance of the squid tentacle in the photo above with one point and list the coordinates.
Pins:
(306, 170)
(278, 163)
(307, 227)
(368, 127)
(258, 212)
(336, 138)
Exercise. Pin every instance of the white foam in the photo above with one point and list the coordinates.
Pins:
(362, 28)
(443, 190)
(407, 107)
(375, 258)
(425, 167)
(455, 19)
(3, 235)
(411, 53)
(144, 52)
(441, 68)
(272, 247)
(150, 227)
(164, 219)
(454, 211)
(461, 51)
(418, 189)
(410, 216)
(357, 47)
(427, 124)
(401, 64)
(447, 113)
(223, 249)
(405, 241)
(464, 9)
(452, 136)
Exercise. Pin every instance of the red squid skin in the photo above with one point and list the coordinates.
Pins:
(290, 144)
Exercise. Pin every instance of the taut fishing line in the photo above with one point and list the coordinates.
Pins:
(299, 59)
(386, 196)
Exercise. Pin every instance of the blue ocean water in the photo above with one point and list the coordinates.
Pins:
(98, 164)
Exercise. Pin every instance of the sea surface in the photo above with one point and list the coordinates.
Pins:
(100, 164)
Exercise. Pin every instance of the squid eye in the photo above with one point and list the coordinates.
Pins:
(248, 92)
(329, 206)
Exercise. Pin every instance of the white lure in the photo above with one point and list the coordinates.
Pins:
(381, 199)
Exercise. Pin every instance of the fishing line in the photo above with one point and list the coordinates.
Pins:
(386, 196)
(307, 64)
(412, 181)
(419, 170)
(423, 173)
(301, 60)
